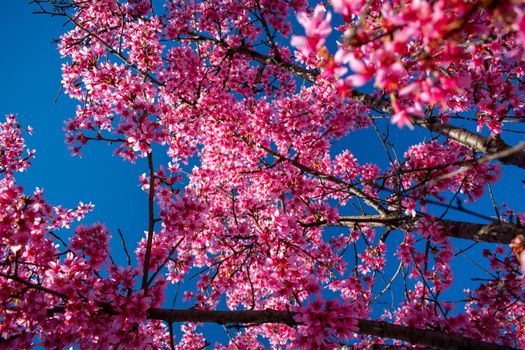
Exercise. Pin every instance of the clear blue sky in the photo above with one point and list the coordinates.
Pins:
(30, 71)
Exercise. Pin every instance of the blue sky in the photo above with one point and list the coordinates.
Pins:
(30, 71)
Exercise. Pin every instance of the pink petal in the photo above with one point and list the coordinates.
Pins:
(357, 80)
(356, 65)
(298, 41)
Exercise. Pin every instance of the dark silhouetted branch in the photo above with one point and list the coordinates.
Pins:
(369, 327)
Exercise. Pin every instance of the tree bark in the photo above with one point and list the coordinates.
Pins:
(382, 329)
(475, 142)
(496, 232)
(223, 317)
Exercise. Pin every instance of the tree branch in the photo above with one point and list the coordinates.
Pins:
(369, 327)
(223, 317)
(496, 232)
(424, 337)
(475, 142)
(151, 222)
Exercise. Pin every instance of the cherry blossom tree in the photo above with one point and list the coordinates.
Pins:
(295, 242)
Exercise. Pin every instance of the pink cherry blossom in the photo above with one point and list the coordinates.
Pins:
(317, 28)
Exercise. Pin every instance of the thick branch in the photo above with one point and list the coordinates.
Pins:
(223, 317)
(496, 232)
(476, 142)
(369, 327)
(423, 337)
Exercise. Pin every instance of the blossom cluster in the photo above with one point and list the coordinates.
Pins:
(53, 290)
(432, 169)
(430, 58)
(323, 322)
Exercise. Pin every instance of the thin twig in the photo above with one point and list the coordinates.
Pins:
(151, 222)
(124, 245)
